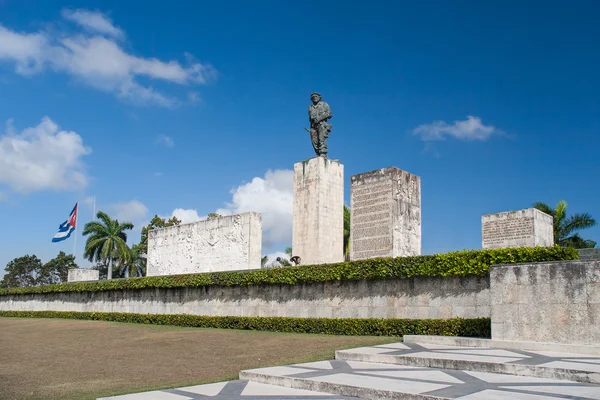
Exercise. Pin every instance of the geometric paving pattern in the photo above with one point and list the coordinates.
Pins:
(431, 382)
(375, 380)
(489, 355)
(232, 390)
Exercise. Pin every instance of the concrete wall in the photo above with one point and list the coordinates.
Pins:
(546, 302)
(589, 254)
(83, 274)
(437, 297)
(220, 244)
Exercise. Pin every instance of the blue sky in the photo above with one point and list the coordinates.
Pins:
(190, 107)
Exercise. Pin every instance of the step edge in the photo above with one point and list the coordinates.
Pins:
(534, 371)
(460, 341)
(339, 389)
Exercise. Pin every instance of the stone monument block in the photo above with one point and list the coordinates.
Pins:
(523, 228)
(318, 224)
(83, 274)
(220, 244)
(385, 208)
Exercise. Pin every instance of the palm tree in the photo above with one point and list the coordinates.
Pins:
(107, 241)
(346, 233)
(565, 227)
(135, 265)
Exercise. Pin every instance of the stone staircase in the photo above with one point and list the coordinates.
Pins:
(445, 368)
(421, 367)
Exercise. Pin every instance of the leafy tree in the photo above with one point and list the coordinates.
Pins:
(22, 272)
(264, 260)
(288, 251)
(213, 216)
(156, 223)
(565, 227)
(346, 233)
(107, 241)
(57, 269)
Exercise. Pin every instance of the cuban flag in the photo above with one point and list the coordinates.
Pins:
(67, 227)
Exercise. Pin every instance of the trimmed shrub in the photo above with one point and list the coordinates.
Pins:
(459, 263)
(475, 327)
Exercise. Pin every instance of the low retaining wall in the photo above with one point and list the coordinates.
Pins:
(546, 302)
(421, 297)
(589, 254)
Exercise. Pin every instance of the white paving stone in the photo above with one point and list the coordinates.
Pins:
(155, 395)
(261, 389)
(498, 395)
(431, 374)
(380, 383)
(211, 389)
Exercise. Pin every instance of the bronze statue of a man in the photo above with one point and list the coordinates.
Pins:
(318, 114)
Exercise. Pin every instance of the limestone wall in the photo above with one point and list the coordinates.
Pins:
(440, 297)
(546, 302)
(589, 254)
(220, 244)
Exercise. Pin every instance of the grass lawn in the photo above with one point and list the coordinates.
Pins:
(69, 359)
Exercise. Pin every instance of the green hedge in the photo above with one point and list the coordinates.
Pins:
(460, 263)
(476, 327)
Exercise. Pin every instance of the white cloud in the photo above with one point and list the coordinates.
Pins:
(273, 197)
(98, 61)
(187, 216)
(25, 49)
(42, 157)
(470, 129)
(93, 21)
(132, 211)
(165, 140)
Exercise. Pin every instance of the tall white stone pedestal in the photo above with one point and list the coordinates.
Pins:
(318, 227)
(385, 207)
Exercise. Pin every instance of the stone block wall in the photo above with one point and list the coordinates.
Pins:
(220, 244)
(546, 302)
(589, 254)
(423, 297)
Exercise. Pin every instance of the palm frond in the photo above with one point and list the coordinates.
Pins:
(543, 207)
(576, 222)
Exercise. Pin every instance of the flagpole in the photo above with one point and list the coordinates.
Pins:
(93, 218)
(75, 241)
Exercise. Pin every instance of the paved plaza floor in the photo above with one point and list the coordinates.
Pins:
(383, 372)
